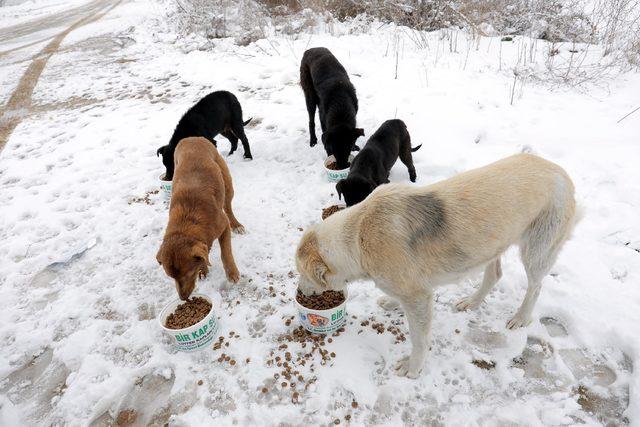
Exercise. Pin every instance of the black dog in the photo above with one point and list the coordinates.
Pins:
(326, 84)
(218, 112)
(373, 163)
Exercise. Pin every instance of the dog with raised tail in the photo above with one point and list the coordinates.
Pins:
(372, 166)
(217, 113)
(410, 239)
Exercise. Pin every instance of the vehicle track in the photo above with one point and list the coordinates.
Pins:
(19, 104)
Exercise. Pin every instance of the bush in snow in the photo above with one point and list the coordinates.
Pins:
(615, 24)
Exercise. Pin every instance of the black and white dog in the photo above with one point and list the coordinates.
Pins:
(373, 163)
(326, 85)
(217, 113)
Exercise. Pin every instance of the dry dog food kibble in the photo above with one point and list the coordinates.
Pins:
(188, 313)
(323, 301)
(327, 212)
(334, 167)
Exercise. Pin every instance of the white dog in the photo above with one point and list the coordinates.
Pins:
(409, 239)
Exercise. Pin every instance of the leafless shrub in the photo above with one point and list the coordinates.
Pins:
(244, 20)
(615, 24)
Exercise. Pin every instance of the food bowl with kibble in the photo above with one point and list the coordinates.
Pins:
(322, 313)
(165, 186)
(333, 174)
(192, 325)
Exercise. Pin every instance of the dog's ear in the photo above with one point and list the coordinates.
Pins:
(310, 261)
(358, 132)
(372, 186)
(160, 151)
(200, 252)
(339, 188)
(320, 270)
(159, 256)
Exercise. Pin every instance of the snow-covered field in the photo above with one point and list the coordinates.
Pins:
(80, 288)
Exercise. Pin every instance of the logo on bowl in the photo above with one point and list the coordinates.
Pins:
(337, 315)
(338, 175)
(194, 335)
(317, 321)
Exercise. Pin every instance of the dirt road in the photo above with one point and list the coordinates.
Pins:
(19, 104)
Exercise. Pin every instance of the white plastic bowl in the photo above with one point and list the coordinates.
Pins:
(323, 321)
(336, 175)
(165, 186)
(193, 338)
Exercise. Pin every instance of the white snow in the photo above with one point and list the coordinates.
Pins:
(81, 342)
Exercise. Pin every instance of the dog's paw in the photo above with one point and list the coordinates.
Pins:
(518, 321)
(467, 303)
(233, 276)
(388, 303)
(404, 368)
(313, 142)
(247, 157)
(238, 229)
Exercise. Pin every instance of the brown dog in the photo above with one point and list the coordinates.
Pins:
(200, 213)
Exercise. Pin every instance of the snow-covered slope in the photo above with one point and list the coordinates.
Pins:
(80, 340)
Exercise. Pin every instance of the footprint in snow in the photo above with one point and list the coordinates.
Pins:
(146, 403)
(593, 380)
(554, 327)
(37, 382)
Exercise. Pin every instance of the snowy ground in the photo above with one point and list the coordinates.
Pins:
(81, 341)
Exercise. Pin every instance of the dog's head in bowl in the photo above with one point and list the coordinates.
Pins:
(340, 141)
(184, 260)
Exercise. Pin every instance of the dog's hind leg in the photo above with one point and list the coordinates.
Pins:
(232, 139)
(407, 158)
(228, 195)
(226, 254)
(539, 249)
(311, 99)
(492, 273)
(536, 269)
(419, 311)
(238, 131)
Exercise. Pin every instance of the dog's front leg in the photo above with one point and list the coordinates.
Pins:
(418, 310)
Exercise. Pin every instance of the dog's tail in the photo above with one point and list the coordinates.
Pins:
(160, 151)
(247, 122)
(414, 149)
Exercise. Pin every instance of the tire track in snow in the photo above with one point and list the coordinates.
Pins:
(59, 19)
(19, 103)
